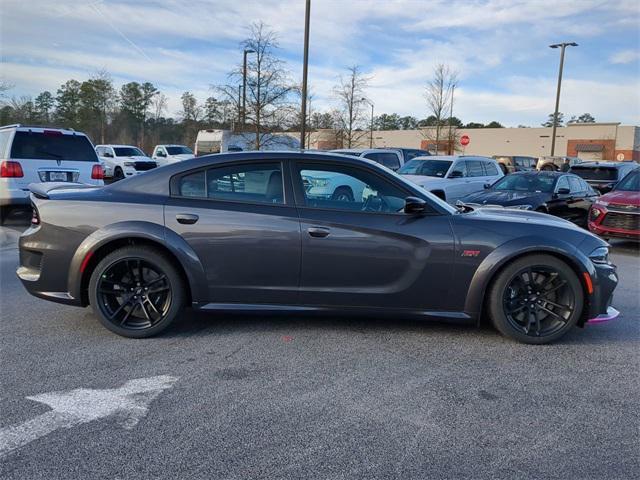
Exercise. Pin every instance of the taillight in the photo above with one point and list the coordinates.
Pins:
(9, 169)
(35, 216)
(97, 172)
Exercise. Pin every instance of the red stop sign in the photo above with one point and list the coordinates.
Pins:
(464, 140)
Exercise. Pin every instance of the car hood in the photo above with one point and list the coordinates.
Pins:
(622, 197)
(506, 198)
(520, 216)
(135, 158)
(423, 180)
(181, 156)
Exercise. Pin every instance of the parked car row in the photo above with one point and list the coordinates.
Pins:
(121, 161)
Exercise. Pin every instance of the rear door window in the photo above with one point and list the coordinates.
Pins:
(52, 146)
(388, 159)
(490, 169)
(255, 183)
(474, 168)
(575, 185)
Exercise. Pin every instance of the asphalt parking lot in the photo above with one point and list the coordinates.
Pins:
(234, 396)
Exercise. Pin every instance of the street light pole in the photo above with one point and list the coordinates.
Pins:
(305, 65)
(244, 85)
(562, 46)
(371, 127)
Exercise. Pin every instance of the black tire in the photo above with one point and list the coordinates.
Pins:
(520, 308)
(4, 213)
(131, 304)
(118, 174)
(343, 194)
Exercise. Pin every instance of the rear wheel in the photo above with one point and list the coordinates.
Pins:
(136, 292)
(536, 299)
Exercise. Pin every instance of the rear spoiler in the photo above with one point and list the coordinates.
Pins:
(41, 190)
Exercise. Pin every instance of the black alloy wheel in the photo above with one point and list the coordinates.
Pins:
(536, 299)
(136, 292)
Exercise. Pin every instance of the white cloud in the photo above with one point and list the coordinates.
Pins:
(189, 45)
(625, 56)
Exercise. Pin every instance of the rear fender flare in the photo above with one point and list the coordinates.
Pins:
(512, 249)
(153, 232)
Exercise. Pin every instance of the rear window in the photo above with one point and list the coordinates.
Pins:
(178, 150)
(389, 160)
(52, 146)
(430, 168)
(596, 173)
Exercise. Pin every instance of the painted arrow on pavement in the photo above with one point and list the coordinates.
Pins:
(129, 403)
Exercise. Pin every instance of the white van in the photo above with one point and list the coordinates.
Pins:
(43, 154)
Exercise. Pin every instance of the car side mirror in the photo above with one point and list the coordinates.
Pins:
(456, 174)
(108, 154)
(161, 154)
(487, 185)
(563, 191)
(414, 205)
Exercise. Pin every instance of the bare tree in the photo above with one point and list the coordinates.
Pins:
(350, 93)
(439, 97)
(269, 88)
(159, 106)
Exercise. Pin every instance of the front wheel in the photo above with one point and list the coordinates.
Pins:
(136, 292)
(535, 299)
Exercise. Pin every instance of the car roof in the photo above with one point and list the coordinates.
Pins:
(454, 157)
(601, 164)
(116, 145)
(171, 145)
(40, 129)
(362, 150)
(543, 173)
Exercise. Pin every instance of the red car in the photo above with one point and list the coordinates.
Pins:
(617, 214)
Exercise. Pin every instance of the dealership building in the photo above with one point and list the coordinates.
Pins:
(589, 141)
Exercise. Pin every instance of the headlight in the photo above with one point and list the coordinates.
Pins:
(600, 255)
(595, 213)
(129, 164)
(521, 207)
(317, 182)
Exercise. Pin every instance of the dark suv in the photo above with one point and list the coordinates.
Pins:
(603, 176)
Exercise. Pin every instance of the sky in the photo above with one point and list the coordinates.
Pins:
(500, 49)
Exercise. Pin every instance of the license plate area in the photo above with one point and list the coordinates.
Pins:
(58, 176)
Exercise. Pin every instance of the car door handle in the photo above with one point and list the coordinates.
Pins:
(318, 232)
(187, 218)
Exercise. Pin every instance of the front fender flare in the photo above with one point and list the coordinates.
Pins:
(153, 232)
(512, 249)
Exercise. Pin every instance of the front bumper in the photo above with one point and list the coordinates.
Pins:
(605, 280)
(611, 314)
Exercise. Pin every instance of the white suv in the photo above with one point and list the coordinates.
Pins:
(452, 177)
(166, 154)
(43, 154)
(121, 161)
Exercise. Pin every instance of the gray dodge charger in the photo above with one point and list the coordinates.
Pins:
(306, 232)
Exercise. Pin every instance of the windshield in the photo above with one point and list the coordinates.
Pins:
(179, 150)
(525, 183)
(596, 173)
(52, 145)
(630, 183)
(128, 152)
(429, 168)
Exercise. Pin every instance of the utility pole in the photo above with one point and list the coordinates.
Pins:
(562, 46)
(305, 65)
(451, 142)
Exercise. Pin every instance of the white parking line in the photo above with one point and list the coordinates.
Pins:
(74, 407)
